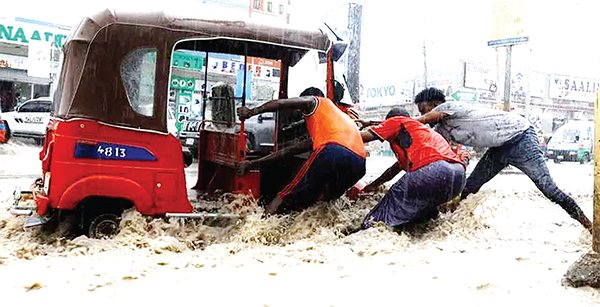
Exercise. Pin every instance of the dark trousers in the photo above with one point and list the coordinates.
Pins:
(524, 153)
(328, 173)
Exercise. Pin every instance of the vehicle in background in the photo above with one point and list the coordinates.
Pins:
(29, 120)
(260, 132)
(573, 141)
(171, 123)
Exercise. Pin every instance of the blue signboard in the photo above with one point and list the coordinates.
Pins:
(109, 151)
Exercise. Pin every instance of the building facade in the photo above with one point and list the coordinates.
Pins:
(29, 59)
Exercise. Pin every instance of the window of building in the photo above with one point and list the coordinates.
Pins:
(138, 71)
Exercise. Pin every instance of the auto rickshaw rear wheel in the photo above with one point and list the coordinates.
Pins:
(104, 226)
(585, 159)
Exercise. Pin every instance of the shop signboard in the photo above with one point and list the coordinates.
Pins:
(13, 61)
(509, 22)
(182, 83)
(192, 61)
(483, 77)
(21, 33)
(39, 59)
(385, 94)
(480, 76)
(443, 82)
(465, 96)
(184, 107)
(269, 9)
(573, 88)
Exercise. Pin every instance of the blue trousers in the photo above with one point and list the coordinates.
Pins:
(524, 153)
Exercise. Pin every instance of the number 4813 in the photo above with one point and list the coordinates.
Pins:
(111, 151)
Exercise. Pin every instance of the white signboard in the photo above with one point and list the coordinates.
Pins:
(444, 83)
(572, 88)
(480, 76)
(378, 95)
(483, 77)
(39, 59)
(13, 61)
(538, 84)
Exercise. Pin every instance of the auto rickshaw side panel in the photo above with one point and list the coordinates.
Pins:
(94, 159)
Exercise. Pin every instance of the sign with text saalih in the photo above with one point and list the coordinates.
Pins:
(20, 33)
(571, 88)
(510, 20)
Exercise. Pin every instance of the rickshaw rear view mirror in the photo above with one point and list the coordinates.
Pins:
(339, 48)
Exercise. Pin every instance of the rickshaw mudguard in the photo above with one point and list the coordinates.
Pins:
(107, 186)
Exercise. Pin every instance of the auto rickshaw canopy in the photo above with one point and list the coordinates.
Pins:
(90, 84)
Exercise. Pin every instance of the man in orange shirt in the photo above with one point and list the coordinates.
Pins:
(338, 158)
(434, 173)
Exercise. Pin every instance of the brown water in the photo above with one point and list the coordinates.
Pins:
(506, 245)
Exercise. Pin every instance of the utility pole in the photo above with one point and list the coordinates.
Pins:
(354, 35)
(424, 63)
(507, 79)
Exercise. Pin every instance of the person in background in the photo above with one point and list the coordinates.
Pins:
(434, 173)
(509, 137)
(338, 158)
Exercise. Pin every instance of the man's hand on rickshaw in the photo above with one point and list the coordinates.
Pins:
(352, 113)
(245, 112)
(243, 167)
(366, 123)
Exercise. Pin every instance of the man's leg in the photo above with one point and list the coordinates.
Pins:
(527, 156)
(416, 195)
(348, 169)
(492, 162)
(307, 186)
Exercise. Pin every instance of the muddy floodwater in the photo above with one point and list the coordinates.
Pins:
(505, 246)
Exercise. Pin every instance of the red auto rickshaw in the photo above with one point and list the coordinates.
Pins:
(107, 146)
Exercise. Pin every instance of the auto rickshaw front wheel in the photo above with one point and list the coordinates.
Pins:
(104, 226)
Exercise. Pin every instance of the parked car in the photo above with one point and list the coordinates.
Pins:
(29, 119)
(573, 141)
(259, 130)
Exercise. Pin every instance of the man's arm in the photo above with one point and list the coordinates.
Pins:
(388, 175)
(368, 136)
(301, 147)
(305, 104)
(366, 123)
(432, 117)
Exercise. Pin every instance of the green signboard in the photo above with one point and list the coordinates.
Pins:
(184, 104)
(182, 83)
(188, 61)
(22, 35)
(466, 96)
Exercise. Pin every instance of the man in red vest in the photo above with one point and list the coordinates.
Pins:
(434, 173)
(338, 158)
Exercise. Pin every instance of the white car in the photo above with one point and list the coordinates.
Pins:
(29, 119)
(171, 123)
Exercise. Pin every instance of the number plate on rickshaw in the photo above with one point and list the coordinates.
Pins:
(189, 141)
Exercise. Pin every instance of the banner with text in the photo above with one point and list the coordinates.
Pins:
(572, 88)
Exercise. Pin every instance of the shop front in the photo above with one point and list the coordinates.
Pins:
(29, 59)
